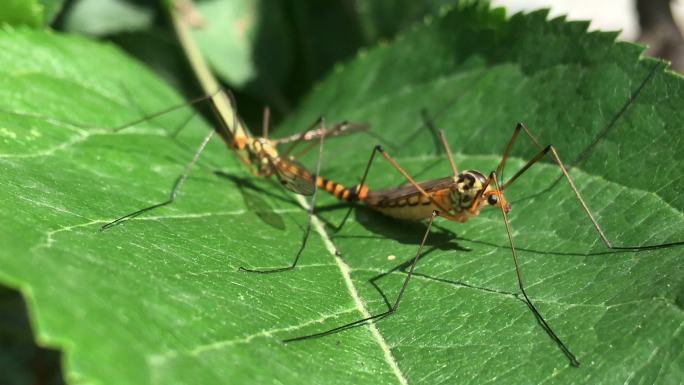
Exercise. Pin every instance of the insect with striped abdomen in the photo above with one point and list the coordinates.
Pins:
(260, 154)
(457, 198)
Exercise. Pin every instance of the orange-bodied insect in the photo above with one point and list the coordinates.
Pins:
(261, 156)
(456, 198)
(259, 153)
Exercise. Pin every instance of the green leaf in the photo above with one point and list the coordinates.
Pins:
(107, 17)
(475, 74)
(232, 33)
(144, 310)
(51, 9)
(159, 299)
(273, 50)
(32, 13)
(159, 51)
(382, 19)
(21, 12)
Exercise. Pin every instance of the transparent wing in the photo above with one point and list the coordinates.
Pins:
(293, 176)
(343, 128)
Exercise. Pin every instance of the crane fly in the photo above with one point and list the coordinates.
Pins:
(457, 198)
(259, 154)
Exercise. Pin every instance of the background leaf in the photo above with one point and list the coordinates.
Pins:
(107, 17)
(31, 13)
(273, 51)
(268, 52)
(383, 19)
(229, 40)
(21, 12)
(51, 9)
(160, 296)
(21, 361)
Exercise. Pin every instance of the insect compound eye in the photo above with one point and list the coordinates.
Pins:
(492, 199)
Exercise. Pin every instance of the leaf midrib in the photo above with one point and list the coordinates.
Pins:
(345, 271)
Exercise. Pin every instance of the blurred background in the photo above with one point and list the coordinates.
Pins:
(656, 23)
(272, 52)
(607, 15)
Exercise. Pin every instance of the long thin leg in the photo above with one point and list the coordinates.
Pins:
(179, 128)
(430, 124)
(265, 122)
(444, 212)
(174, 191)
(450, 156)
(339, 129)
(166, 111)
(315, 131)
(509, 146)
(521, 285)
(449, 105)
(391, 310)
(123, 126)
(599, 230)
(343, 128)
(396, 165)
(182, 125)
(307, 232)
(376, 149)
(298, 138)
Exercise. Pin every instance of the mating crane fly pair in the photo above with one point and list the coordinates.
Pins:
(260, 154)
(457, 198)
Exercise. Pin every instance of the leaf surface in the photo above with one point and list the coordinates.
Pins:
(108, 17)
(611, 115)
(32, 13)
(160, 299)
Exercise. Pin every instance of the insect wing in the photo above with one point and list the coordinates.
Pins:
(377, 197)
(294, 176)
(409, 190)
(340, 129)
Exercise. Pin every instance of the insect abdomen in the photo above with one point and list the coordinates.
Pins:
(413, 207)
(341, 192)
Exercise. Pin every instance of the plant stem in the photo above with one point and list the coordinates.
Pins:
(207, 81)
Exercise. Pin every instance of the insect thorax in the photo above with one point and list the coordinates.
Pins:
(261, 152)
(465, 188)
